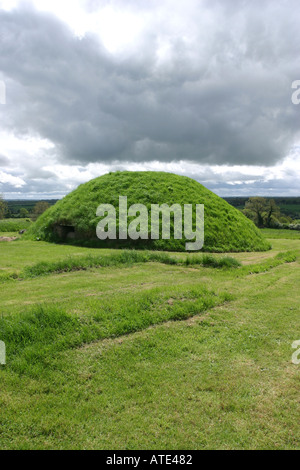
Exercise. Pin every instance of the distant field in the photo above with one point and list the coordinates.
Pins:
(15, 205)
(149, 355)
(293, 210)
(288, 206)
(281, 234)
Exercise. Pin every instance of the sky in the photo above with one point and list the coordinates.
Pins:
(201, 88)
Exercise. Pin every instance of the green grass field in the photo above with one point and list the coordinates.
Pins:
(135, 353)
(13, 225)
(281, 234)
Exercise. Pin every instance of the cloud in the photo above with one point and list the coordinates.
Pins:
(6, 178)
(208, 84)
(50, 179)
(4, 161)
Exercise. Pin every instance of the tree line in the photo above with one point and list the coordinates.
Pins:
(38, 209)
(265, 213)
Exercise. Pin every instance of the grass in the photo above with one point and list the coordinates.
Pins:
(226, 228)
(281, 234)
(14, 225)
(212, 261)
(130, 258)
(268, 264)
(151, 354)
(124, 258)
(35, 337)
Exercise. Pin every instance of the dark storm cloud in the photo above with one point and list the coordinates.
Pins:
(224, 98)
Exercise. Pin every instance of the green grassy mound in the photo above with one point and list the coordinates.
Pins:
(226, 228)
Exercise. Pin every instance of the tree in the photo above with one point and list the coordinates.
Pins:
(23, 213)
(8, 213)
(3, 207)
(263, 212)
(272, 211)
(254, 210)
(39, 209)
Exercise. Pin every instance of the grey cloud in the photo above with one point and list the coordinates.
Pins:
(248, 185)
(39, 174)
(4, 161)
(225, 98)
(259, 188)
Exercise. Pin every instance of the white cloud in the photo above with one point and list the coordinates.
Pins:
(14, 181)
(117, 27)
(47, 178)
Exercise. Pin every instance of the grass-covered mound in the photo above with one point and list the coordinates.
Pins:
(226, 228)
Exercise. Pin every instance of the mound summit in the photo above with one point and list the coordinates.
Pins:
(74, 217)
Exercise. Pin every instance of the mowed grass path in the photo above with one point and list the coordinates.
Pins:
(221, 376)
